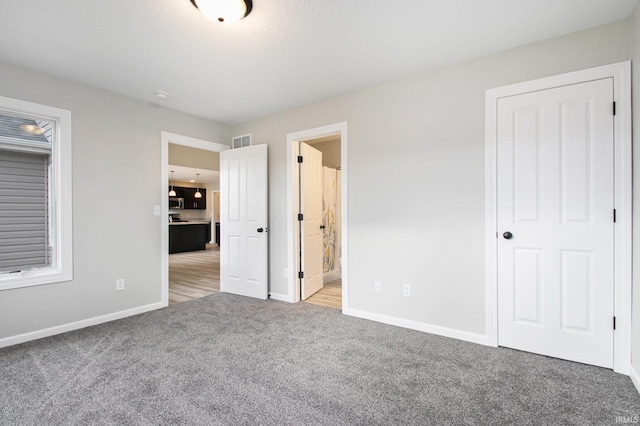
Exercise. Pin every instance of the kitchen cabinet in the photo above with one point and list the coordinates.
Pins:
(188, 236)
(193, 203)
(189, 196)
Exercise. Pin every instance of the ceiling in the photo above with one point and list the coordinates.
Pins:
(186, 174)
(286, 53)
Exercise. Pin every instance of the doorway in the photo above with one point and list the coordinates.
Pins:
(320, 227)
(194, 255)
(328, 145)
(193, 273)
(559, 216)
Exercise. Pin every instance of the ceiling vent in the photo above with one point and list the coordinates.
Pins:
(241, 141)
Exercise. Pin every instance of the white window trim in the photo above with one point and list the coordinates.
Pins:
(61, 196)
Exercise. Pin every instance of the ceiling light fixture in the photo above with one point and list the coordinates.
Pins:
(172, 193)
(226, 11)
(197, 194)
(161, 95)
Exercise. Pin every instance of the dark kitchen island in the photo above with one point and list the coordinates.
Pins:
(189, 236)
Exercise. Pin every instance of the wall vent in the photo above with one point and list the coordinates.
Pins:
(240, 141)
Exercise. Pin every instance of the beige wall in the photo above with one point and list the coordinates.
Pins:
(330, 153)
(216, 206)
(186, 156)
(116, 183)
(636, 192)
(426, 133)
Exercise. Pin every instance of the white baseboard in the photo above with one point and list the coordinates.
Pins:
(635, 377)
(330, 276)
(420, 326)
(281, 297)
(59, 329)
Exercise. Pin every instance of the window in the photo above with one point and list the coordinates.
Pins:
(35, 194)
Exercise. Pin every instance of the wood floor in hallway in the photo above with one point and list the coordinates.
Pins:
(194, 274)
(330, 295)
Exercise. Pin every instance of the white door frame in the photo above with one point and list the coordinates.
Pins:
(293, 202)
(621, 75)
(213, 216)
(165, 139)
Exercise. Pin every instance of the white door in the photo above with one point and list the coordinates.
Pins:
(555, 222)
(243, 221)
(311, 226)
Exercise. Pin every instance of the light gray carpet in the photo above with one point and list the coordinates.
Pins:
(230, 360)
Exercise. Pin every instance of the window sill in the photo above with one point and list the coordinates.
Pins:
(30, 279)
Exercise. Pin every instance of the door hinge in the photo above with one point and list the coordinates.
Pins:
(300, 216)
(614, 108)
(614, 215)
(299, 158)
(614, 323)
(300, 274)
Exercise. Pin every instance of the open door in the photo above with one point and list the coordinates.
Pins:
(311, 226)
(243, 221)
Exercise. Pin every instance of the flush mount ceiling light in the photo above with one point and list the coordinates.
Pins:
(226, 11)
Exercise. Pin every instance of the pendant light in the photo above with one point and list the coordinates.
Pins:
(172, 193)
(226, 11)
(197, 194)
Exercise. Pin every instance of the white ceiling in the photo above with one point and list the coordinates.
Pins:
(185, 174)
(286, 53)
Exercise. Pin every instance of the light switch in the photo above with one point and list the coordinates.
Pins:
(157, 210)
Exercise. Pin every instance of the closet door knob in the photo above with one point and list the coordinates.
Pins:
(507, 235)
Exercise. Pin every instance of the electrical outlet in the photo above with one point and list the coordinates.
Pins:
(120, 284)
(286, 272)
(377, 286)
(406, 290)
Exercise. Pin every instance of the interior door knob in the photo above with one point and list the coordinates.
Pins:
(507, 235)
(322, 226)
(260, 230)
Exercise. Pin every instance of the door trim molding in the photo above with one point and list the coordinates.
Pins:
(293, 200)
(621, 75)
(165, 139)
